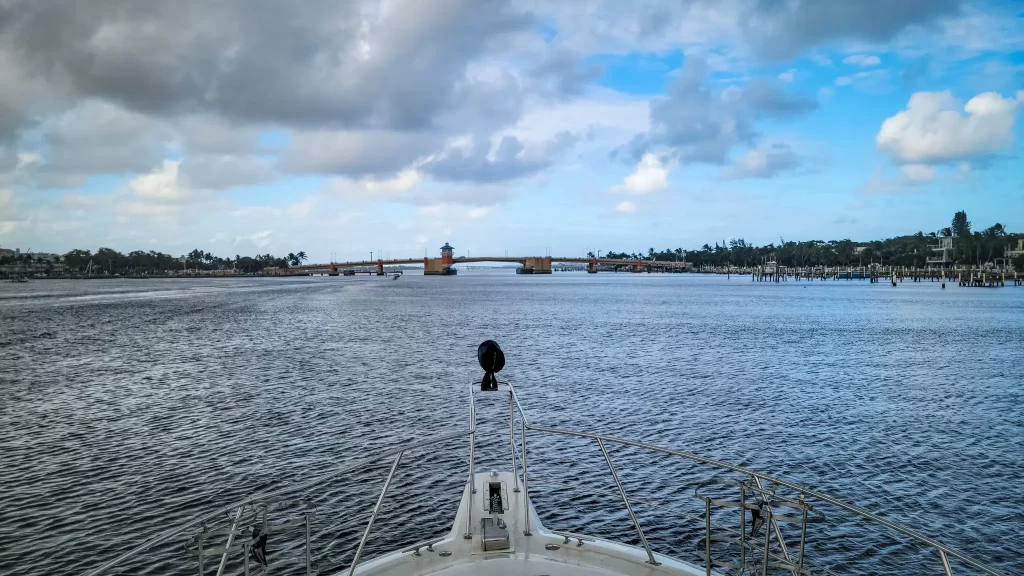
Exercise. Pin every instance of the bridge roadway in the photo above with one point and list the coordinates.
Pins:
(542, 264)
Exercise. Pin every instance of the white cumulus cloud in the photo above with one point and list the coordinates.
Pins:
(933, 128)
(862, 60)
(625, 207)
(402, 182)
(160, 185)
(650, 176)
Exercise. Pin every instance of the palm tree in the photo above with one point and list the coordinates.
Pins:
(301, 256)
(292, 259)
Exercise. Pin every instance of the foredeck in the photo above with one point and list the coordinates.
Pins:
(542, 552)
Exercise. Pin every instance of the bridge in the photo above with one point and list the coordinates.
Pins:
(445, 265)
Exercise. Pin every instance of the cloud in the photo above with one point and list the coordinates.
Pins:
(160, 185)
(260, 239)
(301, 209)
(820, 60)
(317, 63)
(163, 194)
(764, 162)
(360, 88)
(97, 137)
(562, 74)
(17, 168)
(984, 28)
(700, 124)
(8, 216)
(403, 182)
(763, 29)
(510, 160)
(867, 81)
(932, 128)
(625, 207)
(356, 153)
(650, 176)
(766, 98)
(450, 212)
(787, 76)
(222, 171)
(917, 173)
(781, 30)
(604, 114)
(612, 27)
(862, 60)
(375, 187)
(209, 134)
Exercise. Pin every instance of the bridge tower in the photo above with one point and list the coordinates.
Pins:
(443, 266)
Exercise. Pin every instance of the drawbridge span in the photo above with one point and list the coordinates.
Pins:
(445, 265)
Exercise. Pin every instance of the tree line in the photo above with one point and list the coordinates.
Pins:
(153, 262)
(970, 248)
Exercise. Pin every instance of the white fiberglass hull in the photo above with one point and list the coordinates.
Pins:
(542, 552)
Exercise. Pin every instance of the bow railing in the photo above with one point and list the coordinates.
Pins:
(763, 488)
(253, 510)
(760, 498)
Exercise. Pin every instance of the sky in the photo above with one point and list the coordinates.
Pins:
(519, 126)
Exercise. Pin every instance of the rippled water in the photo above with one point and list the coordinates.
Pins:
(129, 406)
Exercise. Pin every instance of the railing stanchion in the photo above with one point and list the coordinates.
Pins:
(512, 439)
(707, 536)
(231, 539)
(945, 562)
(629, 508)
(803, 536)
(767, 539)
(200, 540)
(472, 455)
(771, 524)
(307, 543)
(373, 517)
(743, 525)
(526, 488)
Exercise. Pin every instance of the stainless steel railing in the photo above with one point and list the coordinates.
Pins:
(756, 478)
(250, 501)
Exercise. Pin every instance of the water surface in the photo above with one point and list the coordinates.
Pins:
(129, 406)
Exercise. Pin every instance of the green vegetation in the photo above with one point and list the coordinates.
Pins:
(969, 249)
(106, 260)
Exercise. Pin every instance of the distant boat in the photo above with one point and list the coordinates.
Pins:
(396, 276)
